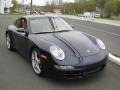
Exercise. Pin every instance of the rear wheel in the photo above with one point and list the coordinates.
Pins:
(9, 42)
(36, 62)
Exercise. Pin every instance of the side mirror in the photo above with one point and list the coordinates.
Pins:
(26, 33)
(21, 30)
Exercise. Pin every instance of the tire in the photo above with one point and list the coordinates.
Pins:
(9, 42)
(36, 62)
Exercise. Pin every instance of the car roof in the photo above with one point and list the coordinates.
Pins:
(39, 15)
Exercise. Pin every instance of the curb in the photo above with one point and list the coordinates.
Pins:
(106, 22)
(114, 59)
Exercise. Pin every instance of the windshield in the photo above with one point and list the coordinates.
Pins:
(62, 25)
(40, 25)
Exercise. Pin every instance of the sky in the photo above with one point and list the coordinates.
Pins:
(40, 2)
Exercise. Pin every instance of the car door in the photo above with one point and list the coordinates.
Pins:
(21, 40)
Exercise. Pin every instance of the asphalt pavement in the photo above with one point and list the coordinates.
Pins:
(16, 72)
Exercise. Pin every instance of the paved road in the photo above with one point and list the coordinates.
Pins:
(16, 72)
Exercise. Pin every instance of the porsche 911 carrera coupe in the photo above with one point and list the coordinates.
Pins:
(54, 47)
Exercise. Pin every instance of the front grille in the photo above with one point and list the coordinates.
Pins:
(72, 74)
(92, 70)
(92, 66)
(84, 73)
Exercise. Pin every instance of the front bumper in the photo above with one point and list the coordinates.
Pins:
(80, 71)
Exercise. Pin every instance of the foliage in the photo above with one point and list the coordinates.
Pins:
(107, 8)
(117, 9)
(110, 7)
(15, 3)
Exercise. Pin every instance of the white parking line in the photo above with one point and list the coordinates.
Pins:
(114, 59)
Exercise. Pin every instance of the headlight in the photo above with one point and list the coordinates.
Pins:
(100, 43)
(57, 52)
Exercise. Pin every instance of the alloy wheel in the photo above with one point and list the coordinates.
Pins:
(8, 41)
(36, 63)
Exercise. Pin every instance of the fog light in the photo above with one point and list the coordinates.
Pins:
(64, 67)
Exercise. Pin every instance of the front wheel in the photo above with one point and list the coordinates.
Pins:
(9, 42)
(36, 62)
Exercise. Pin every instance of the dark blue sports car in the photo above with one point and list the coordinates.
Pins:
(54, 47)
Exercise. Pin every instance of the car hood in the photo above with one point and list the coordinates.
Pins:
(72, 42)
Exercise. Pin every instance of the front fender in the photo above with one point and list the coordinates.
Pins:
(41, 43)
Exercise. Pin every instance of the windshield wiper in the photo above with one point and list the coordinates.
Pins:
(43, 32)
(52, 32)
(63, 30)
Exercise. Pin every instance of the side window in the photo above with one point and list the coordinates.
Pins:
(21, 23)
(17, 23)
(40, 25)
